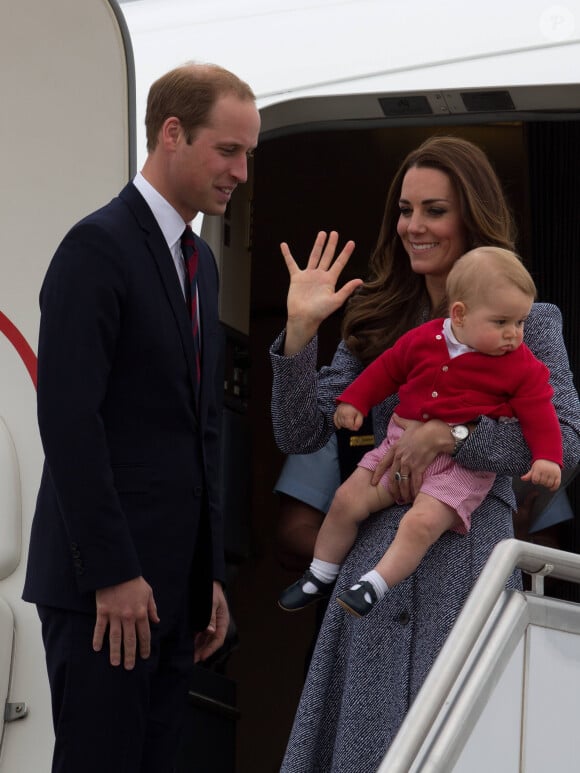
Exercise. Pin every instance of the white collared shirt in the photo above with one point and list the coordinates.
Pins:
(168, 219)
(454, 347)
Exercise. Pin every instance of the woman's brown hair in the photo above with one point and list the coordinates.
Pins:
(391, 300)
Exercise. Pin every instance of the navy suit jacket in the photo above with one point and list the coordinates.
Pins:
(129, 485)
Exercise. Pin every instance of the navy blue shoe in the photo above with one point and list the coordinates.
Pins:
(358, 600)
(295, 597)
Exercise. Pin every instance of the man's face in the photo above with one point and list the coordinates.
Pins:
(204, 174)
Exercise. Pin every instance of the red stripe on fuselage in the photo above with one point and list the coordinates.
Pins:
(21, 345)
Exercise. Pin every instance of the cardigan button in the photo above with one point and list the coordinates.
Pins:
(434, 394)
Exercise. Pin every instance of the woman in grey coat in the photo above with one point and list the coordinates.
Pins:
(365, 672)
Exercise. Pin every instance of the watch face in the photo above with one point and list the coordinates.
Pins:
(460, 431)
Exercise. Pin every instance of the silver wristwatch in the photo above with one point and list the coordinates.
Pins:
(460, 434)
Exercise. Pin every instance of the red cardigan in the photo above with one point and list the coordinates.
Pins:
(431, 385)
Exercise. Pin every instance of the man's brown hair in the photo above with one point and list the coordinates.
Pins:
(189, 93)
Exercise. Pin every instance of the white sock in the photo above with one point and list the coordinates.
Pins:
(377, 582)
(323, 571)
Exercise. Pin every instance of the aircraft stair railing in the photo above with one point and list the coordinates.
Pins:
(504, 692)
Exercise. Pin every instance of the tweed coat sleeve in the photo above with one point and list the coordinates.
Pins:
(303, 398)
(500, 446)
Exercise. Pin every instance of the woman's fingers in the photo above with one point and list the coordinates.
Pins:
(320, 249)
(288, 259)
(322, 254)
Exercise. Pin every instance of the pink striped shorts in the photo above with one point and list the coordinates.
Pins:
(462, 489)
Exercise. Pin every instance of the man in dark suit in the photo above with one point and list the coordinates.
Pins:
(126, 552)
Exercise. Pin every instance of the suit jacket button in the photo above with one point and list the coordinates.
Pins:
(404, 618)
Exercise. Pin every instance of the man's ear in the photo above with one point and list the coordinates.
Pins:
(457, 312)
(170, 131)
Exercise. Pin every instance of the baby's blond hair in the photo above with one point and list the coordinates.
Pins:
(477, 273)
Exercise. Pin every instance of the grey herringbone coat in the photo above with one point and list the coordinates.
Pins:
(365, 672)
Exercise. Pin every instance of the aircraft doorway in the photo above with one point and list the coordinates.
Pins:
(312, 180)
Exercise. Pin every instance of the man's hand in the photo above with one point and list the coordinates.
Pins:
(126, 610)
(209, 641)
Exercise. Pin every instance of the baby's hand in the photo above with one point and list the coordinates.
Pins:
(347, 417)
(544, 473)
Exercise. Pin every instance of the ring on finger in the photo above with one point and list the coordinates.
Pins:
(399, 477)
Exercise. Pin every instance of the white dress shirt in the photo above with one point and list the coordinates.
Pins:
(169, 220)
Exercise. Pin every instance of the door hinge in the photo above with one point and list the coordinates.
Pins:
(14, 711)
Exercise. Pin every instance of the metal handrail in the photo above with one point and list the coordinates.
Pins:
(537, 561)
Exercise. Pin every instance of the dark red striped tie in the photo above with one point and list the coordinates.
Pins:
(190, 256)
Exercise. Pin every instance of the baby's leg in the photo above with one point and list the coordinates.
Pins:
(352, 504)
(420, 527)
